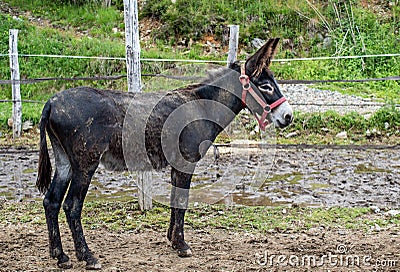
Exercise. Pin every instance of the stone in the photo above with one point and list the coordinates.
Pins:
(27, 125)
(10, 122)
(290, 135)
(375, 209)
(257, 43)
(392, 212)
(342, 135)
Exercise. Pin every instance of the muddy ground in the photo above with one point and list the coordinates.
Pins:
(302, 175)
(24, 248)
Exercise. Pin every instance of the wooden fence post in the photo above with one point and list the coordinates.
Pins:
(232, 54)
(232, 57)
(16, 91)
(131, 12)
(233, 44)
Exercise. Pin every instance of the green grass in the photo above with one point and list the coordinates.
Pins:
(321, 128)
(125, 216)
(87, 30)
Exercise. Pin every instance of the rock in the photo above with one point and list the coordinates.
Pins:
(314, 232)
(257, 43)
(367, 116)
(392, 212)
(375, 209)
(377, 227)
(27, 125)
(290, 135)
(327, 42)
(10, 122)
(342, 135)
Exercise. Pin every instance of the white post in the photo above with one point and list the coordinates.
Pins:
(131, 12)
(233, 43)
(132, 45)
(16, 92)
(232, 55)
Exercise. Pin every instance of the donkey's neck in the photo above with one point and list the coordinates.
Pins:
(225, 89)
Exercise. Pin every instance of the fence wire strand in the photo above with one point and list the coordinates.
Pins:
(6, 150)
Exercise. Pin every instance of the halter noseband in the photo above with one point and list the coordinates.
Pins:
(262, 121)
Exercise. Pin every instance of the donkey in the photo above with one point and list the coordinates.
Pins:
(86, 127)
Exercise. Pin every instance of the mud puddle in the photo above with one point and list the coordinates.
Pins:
(309, 177)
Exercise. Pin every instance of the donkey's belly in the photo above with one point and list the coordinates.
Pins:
(112, 162)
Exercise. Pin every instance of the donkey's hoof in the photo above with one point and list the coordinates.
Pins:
(93, 264)
(184, 253)
(64, 262)
(65, 265)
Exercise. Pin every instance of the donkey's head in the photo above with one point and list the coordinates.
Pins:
(257, 69)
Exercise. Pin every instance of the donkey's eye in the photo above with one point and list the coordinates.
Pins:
(267, 88)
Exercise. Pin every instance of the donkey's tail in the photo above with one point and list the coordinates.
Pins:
(44, 172)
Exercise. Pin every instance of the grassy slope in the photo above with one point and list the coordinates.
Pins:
(96, 31)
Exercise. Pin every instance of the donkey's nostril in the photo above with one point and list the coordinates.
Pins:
(288, 118)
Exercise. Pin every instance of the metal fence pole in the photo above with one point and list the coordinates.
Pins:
(16, 91)
(131, 11)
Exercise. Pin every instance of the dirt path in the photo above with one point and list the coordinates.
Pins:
(24, 248)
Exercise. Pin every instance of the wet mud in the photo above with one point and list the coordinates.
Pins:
(283, 176)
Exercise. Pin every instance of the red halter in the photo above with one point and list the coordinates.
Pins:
(262, 121)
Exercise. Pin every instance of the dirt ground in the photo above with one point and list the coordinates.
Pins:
(327, 177)
(24, 248)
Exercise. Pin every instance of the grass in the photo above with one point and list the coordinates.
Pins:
(322, 128)
(382, 127)
(89, 30)
(125, 216)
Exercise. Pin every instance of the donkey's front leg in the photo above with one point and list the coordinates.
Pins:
(179, 204)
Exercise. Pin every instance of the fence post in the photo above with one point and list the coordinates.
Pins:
(233, 43)
(232, 54)
(16, 91)
(134, 85)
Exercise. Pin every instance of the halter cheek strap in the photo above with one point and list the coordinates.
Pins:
(262, 121)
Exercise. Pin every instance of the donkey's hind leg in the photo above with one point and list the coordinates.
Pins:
(52, 203)
(73, 205)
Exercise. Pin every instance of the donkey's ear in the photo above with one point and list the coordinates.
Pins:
(262, 58)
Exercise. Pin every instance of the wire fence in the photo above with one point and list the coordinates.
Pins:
(203, 61)
(186, 78)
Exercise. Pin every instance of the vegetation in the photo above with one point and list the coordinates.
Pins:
(197, 30)
(382, 126)
(126, 216)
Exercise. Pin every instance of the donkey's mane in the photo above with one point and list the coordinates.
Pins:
(211, 77)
